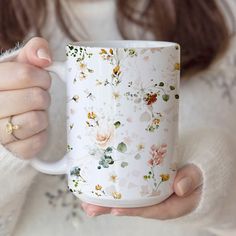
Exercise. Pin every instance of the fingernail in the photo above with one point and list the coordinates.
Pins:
(184, 185)
(43, 54)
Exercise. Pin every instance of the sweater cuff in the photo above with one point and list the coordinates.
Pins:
(10, 54)
(10, 163)
(213, 152)
(16, 175)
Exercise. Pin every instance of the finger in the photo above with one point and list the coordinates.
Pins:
(28, 148)
(30, 123)
(171, 208)
(20, 101)
(187, 180)
(36, 52)
(18, 76)
(94, 210)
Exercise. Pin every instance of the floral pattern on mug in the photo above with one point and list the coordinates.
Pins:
(92, 119)
(84, 71)
(98, 191)
(122, 118)
(114, 57)
(80, 55)
(77, 179)
(157, 154)
(105, 134)
(150, 95)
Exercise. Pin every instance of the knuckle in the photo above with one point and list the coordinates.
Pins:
(44, 121)
(24, 74)
(40, 98)
(35, 120)
(47, 81)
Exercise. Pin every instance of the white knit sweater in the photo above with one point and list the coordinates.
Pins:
(42, 206)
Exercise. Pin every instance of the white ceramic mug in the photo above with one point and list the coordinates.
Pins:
(122, 121)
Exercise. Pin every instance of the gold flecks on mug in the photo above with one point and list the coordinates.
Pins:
(113, 178)
(83, 66)
(116, 195)
(98, 82)
(165, 177)
(156, 121)
(177, 66)
(116, 95)
(91, 115)
(140, 147)
(103, 51)
(116, 70)
(98, 187)
(111, 51)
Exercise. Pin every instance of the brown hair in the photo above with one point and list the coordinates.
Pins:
(198, 26)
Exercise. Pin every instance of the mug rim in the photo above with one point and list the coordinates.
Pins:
(124, 44)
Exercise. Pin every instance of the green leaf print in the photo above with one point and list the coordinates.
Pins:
(165, 97)
(176, 96)
(137, 156)
(117, 124)
(124, 164)
(108, 150)
(122, 147)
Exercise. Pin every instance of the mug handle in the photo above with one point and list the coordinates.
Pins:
(57, 167)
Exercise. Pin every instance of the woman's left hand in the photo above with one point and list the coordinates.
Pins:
(187, 193)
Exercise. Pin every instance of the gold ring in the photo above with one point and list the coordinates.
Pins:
(10, 127)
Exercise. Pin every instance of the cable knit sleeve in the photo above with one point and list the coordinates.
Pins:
(208, 140)
(15, 178)
(214, 152)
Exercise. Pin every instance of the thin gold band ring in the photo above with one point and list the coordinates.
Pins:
(10, 128)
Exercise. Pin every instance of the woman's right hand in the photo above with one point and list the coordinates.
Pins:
(24, 96)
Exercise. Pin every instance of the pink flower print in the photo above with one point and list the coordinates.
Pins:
(104, 135)
(150, 98)
(158, 154)
(150, 162)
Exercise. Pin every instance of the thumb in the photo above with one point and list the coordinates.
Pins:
(188, 179)
(36, 52)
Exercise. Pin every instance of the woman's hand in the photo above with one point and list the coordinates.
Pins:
(24, 96)
(187, 192)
